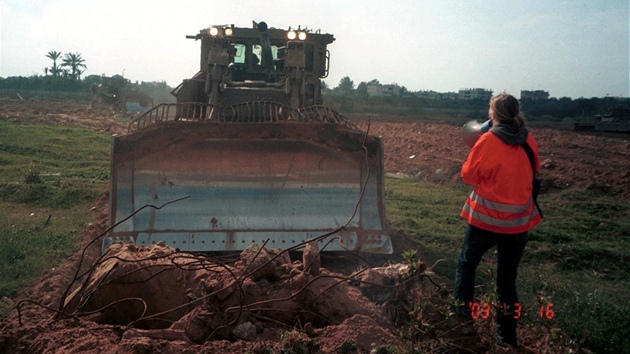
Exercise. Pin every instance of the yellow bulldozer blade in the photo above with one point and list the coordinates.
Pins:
(273, 182)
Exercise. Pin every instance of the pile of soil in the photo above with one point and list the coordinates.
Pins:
(159, 300)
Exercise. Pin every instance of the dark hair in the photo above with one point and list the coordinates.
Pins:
(507, 109)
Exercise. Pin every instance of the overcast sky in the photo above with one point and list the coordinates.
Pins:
(573, 48)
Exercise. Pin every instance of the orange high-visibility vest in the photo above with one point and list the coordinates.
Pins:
(502, 200)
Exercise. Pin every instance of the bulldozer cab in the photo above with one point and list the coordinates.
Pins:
(240, 65)
(250, 155)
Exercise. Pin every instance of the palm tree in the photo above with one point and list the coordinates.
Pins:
(75, 63)
(54, 55)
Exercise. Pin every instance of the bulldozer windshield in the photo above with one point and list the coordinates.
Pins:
(251, 56)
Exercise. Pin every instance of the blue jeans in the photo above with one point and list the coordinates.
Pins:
(477, 242)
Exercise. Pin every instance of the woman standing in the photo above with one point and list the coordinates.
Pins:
(500, 210)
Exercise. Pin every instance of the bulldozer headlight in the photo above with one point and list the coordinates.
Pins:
(229, 31)
(213, 31)
(299, 35)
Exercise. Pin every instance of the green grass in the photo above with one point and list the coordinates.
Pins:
(49, 177)
(576, 259)
(51, 166)
(54, 152)
(31, 242)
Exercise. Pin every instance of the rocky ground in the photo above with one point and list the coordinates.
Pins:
(263, 301)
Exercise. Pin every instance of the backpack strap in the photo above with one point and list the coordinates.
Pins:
(530, 155)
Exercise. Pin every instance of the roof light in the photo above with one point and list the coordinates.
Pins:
(213, 31)
(229, 31)
(291, 35)
(302, 36)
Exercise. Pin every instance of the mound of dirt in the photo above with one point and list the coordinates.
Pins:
(157, 299)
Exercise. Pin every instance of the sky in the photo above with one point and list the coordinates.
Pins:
(572, 48)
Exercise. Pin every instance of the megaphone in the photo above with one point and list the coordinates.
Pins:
(473, 130)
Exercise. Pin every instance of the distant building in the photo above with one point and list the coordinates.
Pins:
(475, 94)
(534, 95)
(433, 95)
(383, 90)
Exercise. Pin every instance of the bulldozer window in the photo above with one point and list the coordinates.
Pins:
(250, 56)
(239, 53)
(256, 54)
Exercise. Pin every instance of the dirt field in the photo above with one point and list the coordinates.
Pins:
(284, 305)
(568, 159)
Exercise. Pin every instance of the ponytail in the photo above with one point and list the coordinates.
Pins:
(507, 109)
(519, 120)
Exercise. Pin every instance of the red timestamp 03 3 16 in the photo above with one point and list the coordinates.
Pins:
(482, 310)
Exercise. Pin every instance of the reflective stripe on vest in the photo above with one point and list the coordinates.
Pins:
(502, 208)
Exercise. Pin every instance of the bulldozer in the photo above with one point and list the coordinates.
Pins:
(249, 154)
(118, 94)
